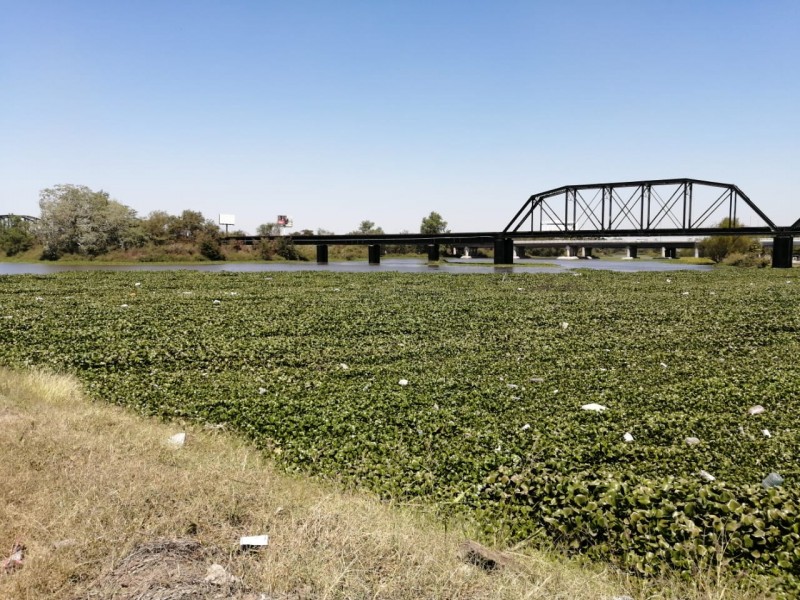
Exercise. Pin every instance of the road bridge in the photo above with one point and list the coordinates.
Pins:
(9, 220)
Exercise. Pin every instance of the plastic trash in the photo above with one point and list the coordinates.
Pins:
(706, 475)
(526, 426)
(564, 325)
(627, 437)
(692, 441)
(177, 440)
(756, 410)
(772, 480)
(343, 366)
(403, 382)
(216, 302)
(14, 561)
(250, 541)
(594, 407)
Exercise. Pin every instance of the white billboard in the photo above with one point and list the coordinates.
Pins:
(227, 219)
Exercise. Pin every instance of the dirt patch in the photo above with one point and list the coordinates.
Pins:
(168, 570)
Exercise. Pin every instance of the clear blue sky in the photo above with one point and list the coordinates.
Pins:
(336, 112)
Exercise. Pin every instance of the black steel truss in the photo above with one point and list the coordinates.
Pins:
(640, 207)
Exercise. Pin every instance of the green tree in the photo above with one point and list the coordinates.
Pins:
(718, 247)
(158, 227)
(191, 225)
(368, 227)
(16, 236)
(268, 230)
(77, 220)
(433, 223)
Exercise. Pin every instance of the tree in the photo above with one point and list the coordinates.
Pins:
(268, 229)
(191, 225)
(158, 227)
(77, 220)
(368, 227)
(720, 246)
(16, 236)
(433, 223)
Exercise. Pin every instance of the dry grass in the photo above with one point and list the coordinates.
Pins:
(106, 509)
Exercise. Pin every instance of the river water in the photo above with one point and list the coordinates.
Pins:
(405, 265)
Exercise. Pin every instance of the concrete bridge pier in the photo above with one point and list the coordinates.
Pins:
(322, 254)
(374, 254)
(632, 252)
(782, 247)
(585, 252)
(668, 252)
(433, 252)
(503, 251)
(569, 252)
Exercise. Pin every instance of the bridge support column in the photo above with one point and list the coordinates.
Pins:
(782, 246)
(433, 252)
(322, 254)
(696, 251)
(503, 251)
(632, 252)
(667, 252)
(569, 252)
(585, 252)
(374, 254)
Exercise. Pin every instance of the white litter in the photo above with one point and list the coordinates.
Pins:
(595, 407)
(39, 298)
(756, 410)
(669, 280)
(663, 365)
(262, 390)
(627, 437)
(526, 426)
(536, 380)
(177, 440)
(123, 306)
(692, 441)
(403, 382)
(249, 541)
(772, 480)
(685, 293)
(138, 284)
(564, 325)
(766, 433)
(216, 301)
(706, 475)
(343, 366)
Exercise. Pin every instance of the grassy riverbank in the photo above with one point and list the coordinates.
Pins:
(89, 489)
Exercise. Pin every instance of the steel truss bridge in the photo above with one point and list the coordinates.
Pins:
(592, 213)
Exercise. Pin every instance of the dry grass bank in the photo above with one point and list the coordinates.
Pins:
(107, 509)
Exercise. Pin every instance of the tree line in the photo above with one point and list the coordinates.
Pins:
(76, 220)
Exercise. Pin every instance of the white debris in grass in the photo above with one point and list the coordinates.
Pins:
(403, 382)
(216, 302)
(766, 433)
(564, 325)
(137, 284)
(177, 440)
(756, 410)
(123, 306)
(706, 475)
(343, 366)
(627, 437)
(663, 365)
(526, 426)
(594, 407)
(262, 391)
(692, 441)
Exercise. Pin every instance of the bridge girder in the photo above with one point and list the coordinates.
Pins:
(640, 206)
(5, 220)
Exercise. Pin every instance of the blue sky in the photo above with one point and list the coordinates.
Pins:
(336, 112)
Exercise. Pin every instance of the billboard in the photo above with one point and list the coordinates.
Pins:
(227, 219)
(284, 221)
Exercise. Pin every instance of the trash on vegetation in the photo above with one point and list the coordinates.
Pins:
(756, 410)
(706, 475)
(123, 306)
(343, 366)
(595, 407)
(526, 426)
(692, 441)
(249, 542)
(766, 433)
(14, 561)
(177, 440)
(262, 390)
(403, 382)
(772, 480)
(217, 575)
(627, 437)
(137, 284)
(564, 325)
(536, 380)
(216, 302)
